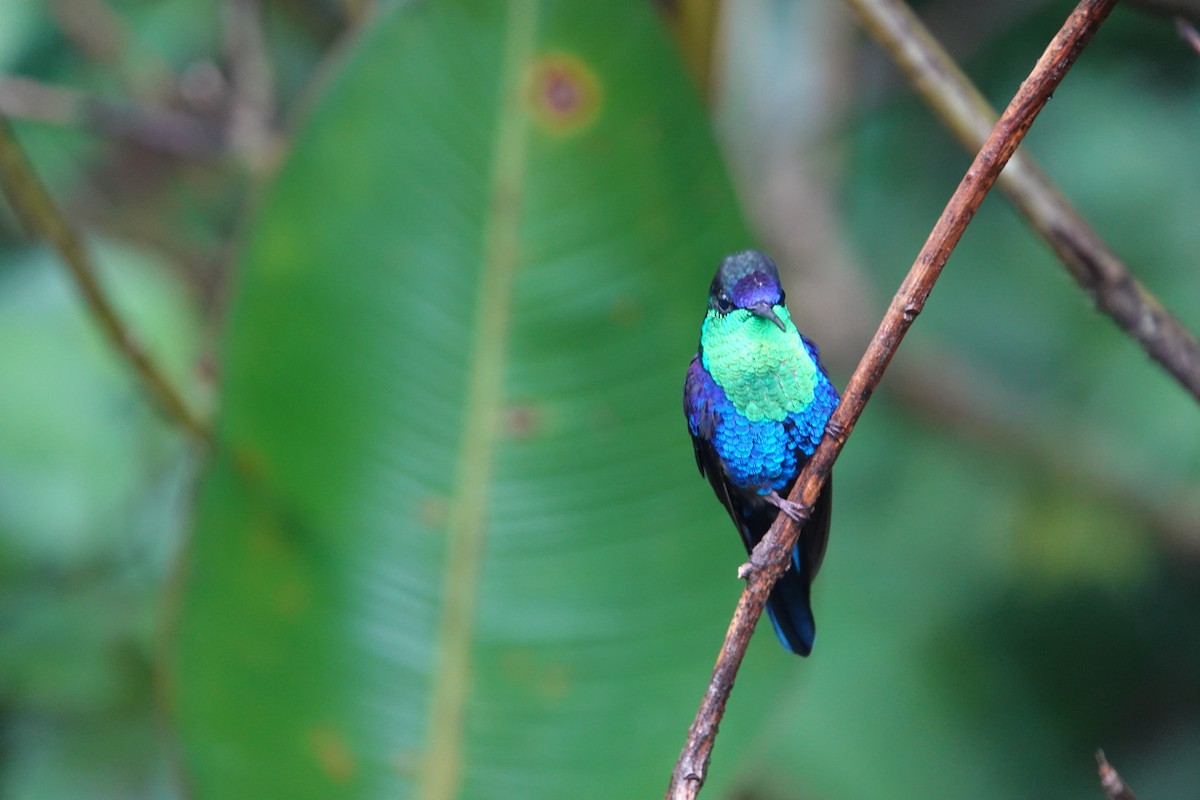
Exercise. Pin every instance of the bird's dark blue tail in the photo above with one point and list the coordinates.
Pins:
(788, 606)
(790, 610)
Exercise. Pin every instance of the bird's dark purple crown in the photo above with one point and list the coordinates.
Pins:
(746, 278)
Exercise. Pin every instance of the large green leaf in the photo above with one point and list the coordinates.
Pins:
(451, 541)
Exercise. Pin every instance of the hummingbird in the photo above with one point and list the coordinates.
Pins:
(757, 400)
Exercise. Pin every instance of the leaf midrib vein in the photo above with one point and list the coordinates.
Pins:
(466, 527)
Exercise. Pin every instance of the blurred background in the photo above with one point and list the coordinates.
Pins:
(1014, 575)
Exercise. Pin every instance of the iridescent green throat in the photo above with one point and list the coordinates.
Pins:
(766, 373)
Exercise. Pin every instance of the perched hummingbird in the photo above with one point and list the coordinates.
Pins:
(757, 400)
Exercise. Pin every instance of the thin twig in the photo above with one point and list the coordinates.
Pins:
(694, 24)
(355, 11)
(1188, 31)
(251, 85)
(1110, 781)
(33, 204)
(102, 35)
(771, 556)
(158, 129)
(93, 27)
(1091, 262)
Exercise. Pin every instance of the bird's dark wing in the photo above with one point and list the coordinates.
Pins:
(698, 406)
(700, 394)
(816, 532)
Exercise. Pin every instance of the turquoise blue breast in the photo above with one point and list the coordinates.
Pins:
(760, 454)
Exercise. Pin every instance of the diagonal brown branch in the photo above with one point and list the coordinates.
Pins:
(771, 556)
(1093, 265)
(33, 204)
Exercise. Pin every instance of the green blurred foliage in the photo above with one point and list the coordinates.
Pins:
(990, 612)
(91, 502)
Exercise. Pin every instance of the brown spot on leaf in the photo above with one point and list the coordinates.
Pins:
(521, 421)
(547, 680)
(332, 752)
(250, 462)
(562, 93)
(434, 511)
(626, 311)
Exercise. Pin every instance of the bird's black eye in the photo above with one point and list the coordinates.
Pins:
(724, 304)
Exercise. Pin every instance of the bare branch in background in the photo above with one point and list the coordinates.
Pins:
(92, 28)
(37, 210)
(153, 128)
(355, 11)
(772, 555)
(251, 85)
(100, 34)
(1188, 31)
(694, 24)
(1095, 267)
(233, 113)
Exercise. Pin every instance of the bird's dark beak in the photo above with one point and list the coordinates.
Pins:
(765, 310)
